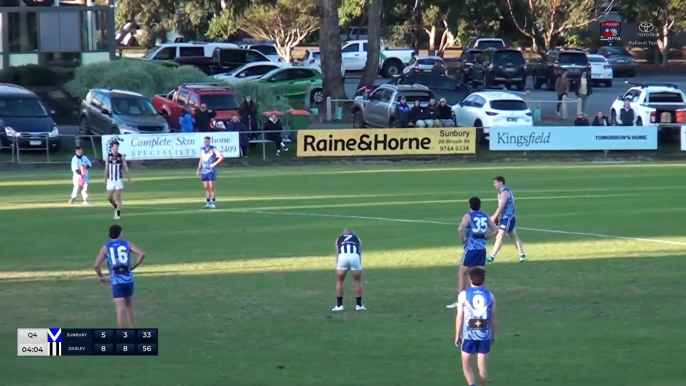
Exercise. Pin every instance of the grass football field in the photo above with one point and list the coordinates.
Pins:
(242, 295)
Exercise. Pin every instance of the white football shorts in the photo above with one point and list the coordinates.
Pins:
(349, 262)
(115, 185)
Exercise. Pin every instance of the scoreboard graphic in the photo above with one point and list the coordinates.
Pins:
(56, 342)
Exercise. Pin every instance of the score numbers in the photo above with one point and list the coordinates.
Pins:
(87, 342)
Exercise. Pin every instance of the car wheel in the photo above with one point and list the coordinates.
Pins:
(608, 83)
(537, 83)
(480, 135)
(84, 129)
(613, 117)
(317, 96)
(550, 84)
(639, 122)
(114, 130)
(392, 68)
(358, 120)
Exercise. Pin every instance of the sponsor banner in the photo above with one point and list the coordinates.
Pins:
(170, 145)
(553, 138)
(683, 138)
(386, 142)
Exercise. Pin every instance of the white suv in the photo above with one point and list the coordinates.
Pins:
(171, 51)
(492, 108)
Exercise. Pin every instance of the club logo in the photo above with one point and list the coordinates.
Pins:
(610, 31)
(112, 140)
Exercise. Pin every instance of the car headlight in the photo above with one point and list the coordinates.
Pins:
(219, 125)
(11, 133)
(54, 132)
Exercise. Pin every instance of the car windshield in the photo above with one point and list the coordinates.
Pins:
(266, 49)
(151, 54)
(665, 97)
(133, 106)
(572, 58)
(617, 51)
(220, 102)
(490, 44)
(421, 96)
(22, 107)
(597, 59)
(471, 56)
(509, 105)
(429, 62)
(515, 57)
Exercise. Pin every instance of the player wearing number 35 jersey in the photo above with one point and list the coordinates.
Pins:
(475, 228)
(475, 326)
(117, 252)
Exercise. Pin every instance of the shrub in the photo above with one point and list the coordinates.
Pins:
(34, 75)
(152, 77)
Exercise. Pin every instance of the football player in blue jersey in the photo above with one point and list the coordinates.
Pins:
(118, 255)
(475, 326)
(475, 228)
(210, 158)
(505, 217)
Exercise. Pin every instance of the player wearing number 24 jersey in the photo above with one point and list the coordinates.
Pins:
(117, 252)
(475, 325)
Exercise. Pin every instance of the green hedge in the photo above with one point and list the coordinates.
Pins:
(33, 75)
(151, 77)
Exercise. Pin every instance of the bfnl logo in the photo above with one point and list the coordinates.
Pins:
(111, 141)
(610, 31)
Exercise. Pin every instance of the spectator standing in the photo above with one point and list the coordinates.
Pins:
(601, 120)
(203, 117)
(243, 141)
(431, 113)
(626, 114)
(417, 115)
(561, 88)
(584, 90)
(438, 68)
(273, 129)
(402, 113)
(186, 120)
(581, 120)
(445, 114)
(248, 112)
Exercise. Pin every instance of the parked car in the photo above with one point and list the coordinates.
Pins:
(654, 103)
(465, 63)
(218, 98)
(573, 62)
(268, 50)
(483, 42)
(171, 51)
(108, 111)
(392, 61)
(250, 71)
(353, 33)
(441, 85)
(25, 121)
(313, 59)
(223, 60)
(295, 82)
(601, 71)
(621, 60)
(500, 66)
(492, 108)
(422, 64)
(377, 109)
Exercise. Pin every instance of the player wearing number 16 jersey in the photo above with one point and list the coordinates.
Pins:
(475, 228)
(118, 255)
(475, 326)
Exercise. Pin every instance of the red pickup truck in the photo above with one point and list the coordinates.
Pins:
(218, 98)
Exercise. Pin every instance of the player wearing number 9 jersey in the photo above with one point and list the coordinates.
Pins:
(475, 228)
(117, 252)
(475, 326)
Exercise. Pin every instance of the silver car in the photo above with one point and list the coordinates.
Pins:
(106, 111)
(377, 107)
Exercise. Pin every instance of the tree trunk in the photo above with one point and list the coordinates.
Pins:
(371, 69)
(663, 45)
(432, 39)
(330, 47)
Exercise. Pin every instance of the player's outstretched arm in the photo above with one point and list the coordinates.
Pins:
(98, 263)
(459, 318)
(462, 229)
(126, 167)
(141, 255)
(197, 172)
(492, 230)
(494, 319)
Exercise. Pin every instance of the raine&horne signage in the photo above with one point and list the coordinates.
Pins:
(552, 138)
(170, 146)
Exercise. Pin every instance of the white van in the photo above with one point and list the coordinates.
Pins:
(171, 51)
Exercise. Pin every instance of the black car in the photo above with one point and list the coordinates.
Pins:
(573, 62)
(24, 120)
(223, 60)
(505, 66)
(465, 63)
(621, 60)
(442, 86)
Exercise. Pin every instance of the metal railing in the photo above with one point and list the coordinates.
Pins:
(335, 107)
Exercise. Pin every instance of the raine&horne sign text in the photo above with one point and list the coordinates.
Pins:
(170, 146)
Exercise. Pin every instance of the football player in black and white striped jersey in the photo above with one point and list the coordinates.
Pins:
(348, 258)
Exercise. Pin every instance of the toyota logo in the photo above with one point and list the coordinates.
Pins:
(646, 27)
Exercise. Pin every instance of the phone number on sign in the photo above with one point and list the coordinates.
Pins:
(453, 148)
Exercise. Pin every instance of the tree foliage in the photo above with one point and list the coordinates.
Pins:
(287, 22)
(544, 21)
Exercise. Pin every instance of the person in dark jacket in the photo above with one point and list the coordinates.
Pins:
(203, 117)
(601, 120)
(438, 68)
(274, 126)
(186, 120)
(581, 120)
(445, 114)
(243, 141)
(627, 115)
(402, 113)
(248, 112)
(416, 115)
(431, 115)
